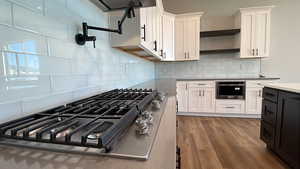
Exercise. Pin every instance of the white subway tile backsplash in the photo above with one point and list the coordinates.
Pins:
(39, 23)
(15, 88)
(10, 111)
(5, 12)
(21, 41)
(64, 49)
(209, 66)
(36, 104)
(34, 5)
(69, 83)
(55, 65)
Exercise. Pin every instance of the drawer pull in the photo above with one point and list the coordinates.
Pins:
(201, 84)
(230, 107)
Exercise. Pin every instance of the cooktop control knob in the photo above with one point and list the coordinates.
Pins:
(147, 116)
(160, 96)
(142, 126)
(156, 104)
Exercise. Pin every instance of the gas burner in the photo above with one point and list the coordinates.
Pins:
(96, 122)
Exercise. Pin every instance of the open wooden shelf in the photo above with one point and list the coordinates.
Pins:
(227, 32)
(216, 51)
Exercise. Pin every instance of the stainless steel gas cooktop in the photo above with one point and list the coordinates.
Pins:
(119, 123)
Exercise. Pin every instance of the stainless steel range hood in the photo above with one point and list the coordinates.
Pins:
(112, 5)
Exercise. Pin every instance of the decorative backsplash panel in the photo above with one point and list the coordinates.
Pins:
(41, 65)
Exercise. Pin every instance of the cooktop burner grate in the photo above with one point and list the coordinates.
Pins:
(96, 121)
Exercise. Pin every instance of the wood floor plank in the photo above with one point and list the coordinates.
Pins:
(223, 143)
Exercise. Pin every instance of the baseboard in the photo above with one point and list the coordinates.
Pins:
(254, 116)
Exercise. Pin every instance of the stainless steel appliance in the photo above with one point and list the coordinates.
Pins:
(103, 124)
(231, 90)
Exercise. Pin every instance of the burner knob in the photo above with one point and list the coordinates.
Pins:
(160, 96)
(147, 116)
(142, 126)
(156, 104)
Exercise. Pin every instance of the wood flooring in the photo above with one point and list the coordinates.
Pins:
(223, 143)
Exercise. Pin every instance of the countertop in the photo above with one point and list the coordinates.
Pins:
(203, 79)
(291, 87)
(163, 154)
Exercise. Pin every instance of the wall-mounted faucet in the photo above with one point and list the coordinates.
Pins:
(81, 39)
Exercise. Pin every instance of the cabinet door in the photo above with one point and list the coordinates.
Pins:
(262, 33)
(182, 97)
(209, 100)
(287, 143)
(247, 35)
(168, 38)
(159, 35)
(143, 23)
(192, 37)
(253, 100)
(180, 52)
(195, 101)
(146, 21)
(154, 30)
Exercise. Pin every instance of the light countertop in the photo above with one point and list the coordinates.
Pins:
(291, 87)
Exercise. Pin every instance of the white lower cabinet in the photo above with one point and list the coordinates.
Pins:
(201, 100)
(230, 106)
(254, 100)
(182, 96)
(199, 97)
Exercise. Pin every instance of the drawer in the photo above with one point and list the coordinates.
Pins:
(270, 94)
(230, 106)
(202, 84)
(269, 111)
(267, 134)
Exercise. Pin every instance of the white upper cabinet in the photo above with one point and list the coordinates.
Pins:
(255, 31)
(187, 37)
(168, 36)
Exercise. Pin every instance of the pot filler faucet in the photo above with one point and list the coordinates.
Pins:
(81, 39)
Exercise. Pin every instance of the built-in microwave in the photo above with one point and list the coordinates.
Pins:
(231, 90)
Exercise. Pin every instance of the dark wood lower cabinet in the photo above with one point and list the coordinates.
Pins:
(283, 134)
(287, 143)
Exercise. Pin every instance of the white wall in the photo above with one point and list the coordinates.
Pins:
(285, 29)
(45, 30)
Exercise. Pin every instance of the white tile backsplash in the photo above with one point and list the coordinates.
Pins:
(210, 66)
(16, 40)
(46, 29)
(34, 5)
(33, 105)
(10, 111)
(5, 12)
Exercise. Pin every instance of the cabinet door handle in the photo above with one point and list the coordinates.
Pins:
(229, 107)
(161, 53)
(188, 54)
(259, 93)
(185, 55)
(155, 45)
(203, 92)
(256, 52)
(144, 28)
(186, 87)
(253, 52)
(199, 92)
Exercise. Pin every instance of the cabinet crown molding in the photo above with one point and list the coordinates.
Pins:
(255, 9)
(190, 14)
